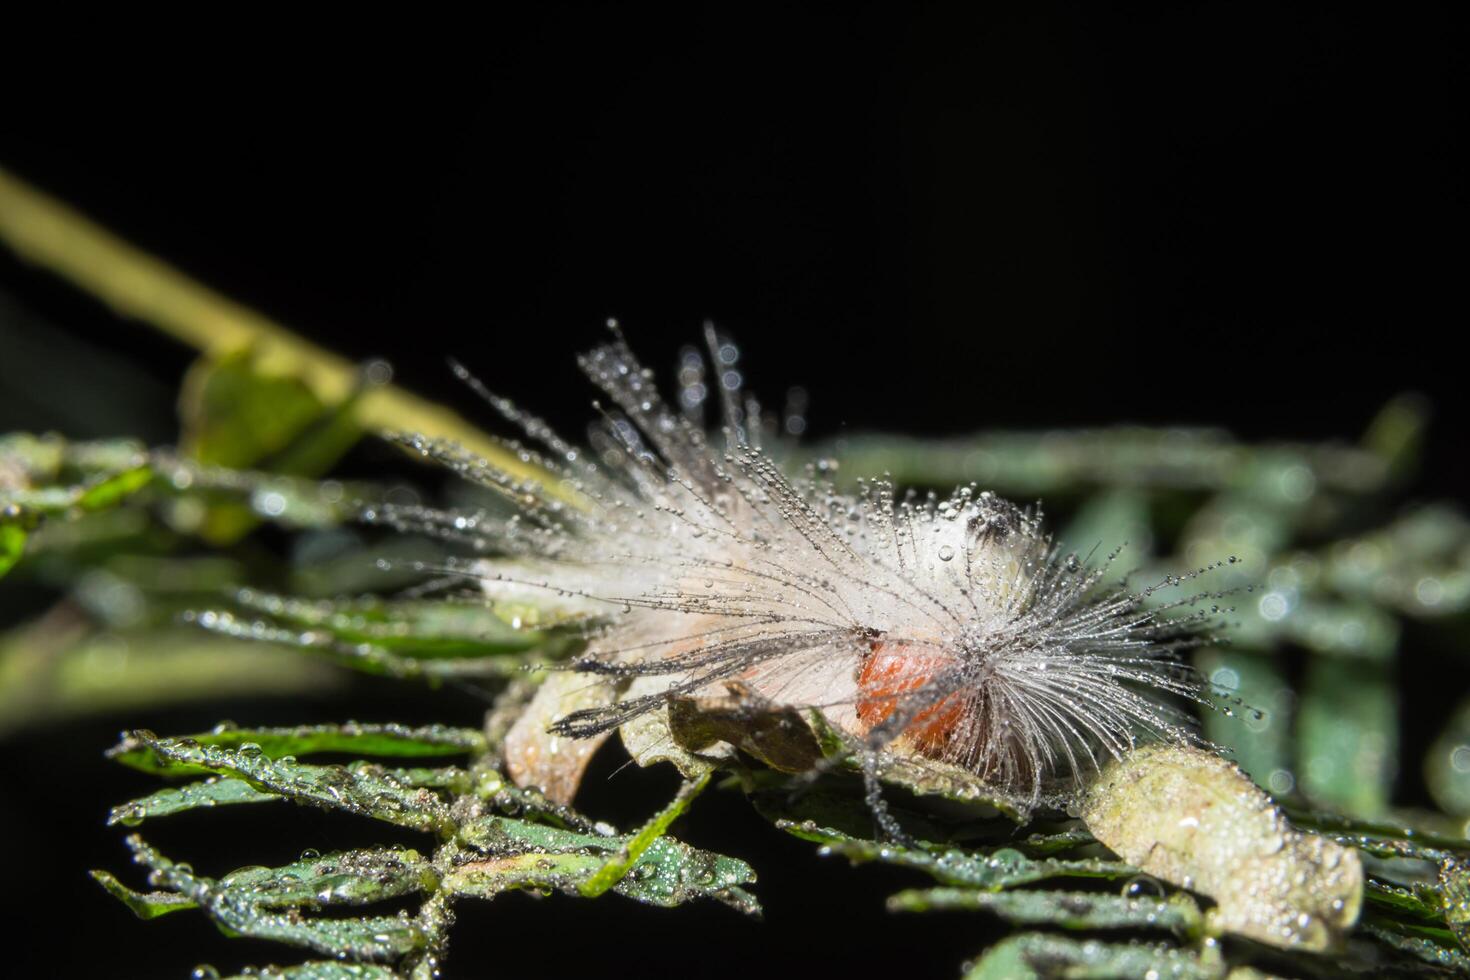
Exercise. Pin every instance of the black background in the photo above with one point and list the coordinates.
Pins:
(936, 219)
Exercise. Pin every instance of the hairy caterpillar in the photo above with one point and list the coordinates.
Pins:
(949, 629)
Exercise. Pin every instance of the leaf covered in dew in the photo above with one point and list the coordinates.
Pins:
(1036, 955)
(992, 869)
(1067, 910)
(211, 792)
(646, 866)
(313, 970)
(357, 789)
(403, 741)
(1192, 818)
(236, 910)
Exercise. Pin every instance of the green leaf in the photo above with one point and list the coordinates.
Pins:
(1454, 883)
(616, 869)
(12, 546)
(1034, 956)
(313, 970)
(138, 750)
(1447, 765)
(663, 872)
(145, 906)
(1347, 739)
(1258, 730)
(1067, 910)
(355, 790)
(1420, 947)
(994, 869)
(235, 415)
(206, 793)
(345, 878)
(114, 488)
(420, 628)
(367, 657)
(235, 912)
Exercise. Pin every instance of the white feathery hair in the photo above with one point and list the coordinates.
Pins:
(704, 563)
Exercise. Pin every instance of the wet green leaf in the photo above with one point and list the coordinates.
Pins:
(318, 970)
(344, 878)
(232, 909)
(1067, 910)
(1035, 956)
(367, 657)
(1454, 884)
(389, 740)
(420, 628)
(993, 869)
(148, 905)
(206, 793)
(359, 790)
(1421, 947)
(538, 857)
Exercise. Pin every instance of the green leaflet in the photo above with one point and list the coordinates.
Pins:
(354, 790)
(211, 792)
(1347, 741)
(345, 878)
(1447, 766)
(314, 970)
(996, 869)
(479, 852)
(139, 750)
(420, 628)
(1034, 956)
(12, 546)
(235, 911)
(145, 906)
(647, 867)
(1067, 910)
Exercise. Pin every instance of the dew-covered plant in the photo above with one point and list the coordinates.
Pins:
(920, 680)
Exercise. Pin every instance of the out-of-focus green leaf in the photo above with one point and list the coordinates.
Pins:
(1447, 765)
(1254, 689)
(390, 740)
(1347, 734)
(51, 672)
(367, 657)
(419, 628)
(1418, 565)
(1037, 956)
(1113, 521)
(12, 546)
(236, 416)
